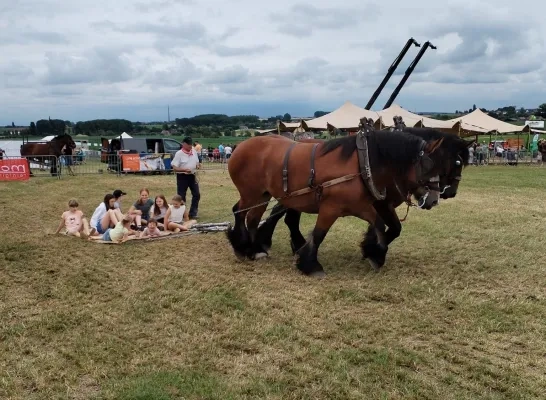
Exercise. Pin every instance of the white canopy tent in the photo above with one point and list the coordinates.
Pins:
(345, 117)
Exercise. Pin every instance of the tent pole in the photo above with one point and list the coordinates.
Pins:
(489, 152)
(529, 145)
(517, 152)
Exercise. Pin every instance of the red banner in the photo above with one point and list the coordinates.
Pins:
(131, 162)
(14, 169)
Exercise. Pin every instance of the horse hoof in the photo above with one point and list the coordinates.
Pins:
(318, 274)
(240, 257)
(374, 265)
(259, 256)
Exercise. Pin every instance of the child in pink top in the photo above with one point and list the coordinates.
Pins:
(74, 222)
(151, 230)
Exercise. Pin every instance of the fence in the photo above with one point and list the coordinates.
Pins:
(507, 157)
(93, 163)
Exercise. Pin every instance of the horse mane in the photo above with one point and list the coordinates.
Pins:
(399, 147)
(389, 144)
(452, 143)
(347, 144)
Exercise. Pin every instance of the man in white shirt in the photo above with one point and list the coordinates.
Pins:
(228, 151)
(185, 164)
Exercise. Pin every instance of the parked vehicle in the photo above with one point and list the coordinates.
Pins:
(153, 154)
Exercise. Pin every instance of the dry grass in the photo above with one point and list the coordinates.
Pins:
(458, 312)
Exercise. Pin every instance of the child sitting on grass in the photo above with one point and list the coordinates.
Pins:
(140, 210)
(74, 222)
(151, 230)
(119, 233)
(177, 217)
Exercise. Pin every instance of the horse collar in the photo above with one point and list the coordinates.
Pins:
(364, 162)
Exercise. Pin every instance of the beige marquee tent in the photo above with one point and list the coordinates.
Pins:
(478, 121)
(345, 117)
(410, 119)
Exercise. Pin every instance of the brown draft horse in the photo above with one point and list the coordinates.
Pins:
(322, 178)
(452, 155)
(41, 152)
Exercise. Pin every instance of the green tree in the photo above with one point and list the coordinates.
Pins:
(541, 112)
(287, 117)
(318, 114)
(32, 129)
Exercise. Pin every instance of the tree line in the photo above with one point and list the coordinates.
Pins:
(510, 113)
(215, 125)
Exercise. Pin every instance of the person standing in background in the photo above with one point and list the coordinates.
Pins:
(198, 149)
(185, 165)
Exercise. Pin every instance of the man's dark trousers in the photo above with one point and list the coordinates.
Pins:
(183, 182)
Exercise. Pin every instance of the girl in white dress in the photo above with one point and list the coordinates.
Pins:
(177, 217)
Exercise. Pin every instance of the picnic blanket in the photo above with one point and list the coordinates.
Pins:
(195, 229)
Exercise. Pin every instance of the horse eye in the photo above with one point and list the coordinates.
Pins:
(457, 163)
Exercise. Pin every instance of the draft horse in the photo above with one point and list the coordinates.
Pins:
(331, 179)
(42, 152)
(452, 156)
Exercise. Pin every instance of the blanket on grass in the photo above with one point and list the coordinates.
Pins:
(193, 230)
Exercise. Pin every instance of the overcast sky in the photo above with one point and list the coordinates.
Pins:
(83, 59)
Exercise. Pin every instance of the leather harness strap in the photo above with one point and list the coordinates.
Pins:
(365, 168)
(326, 184)
(285, 167)
(311, 187)
(311, 182)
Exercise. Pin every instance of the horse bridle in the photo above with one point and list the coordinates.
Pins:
(458, 177)
(433, 184)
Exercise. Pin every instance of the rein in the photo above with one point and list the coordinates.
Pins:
(407, 200)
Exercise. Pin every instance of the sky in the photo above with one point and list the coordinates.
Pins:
(79, 60)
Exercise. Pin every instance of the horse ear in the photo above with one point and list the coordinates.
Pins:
(434, 145)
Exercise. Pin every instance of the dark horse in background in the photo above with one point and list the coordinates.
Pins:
(40, 153)
(541, 144)
(328, 179)
(453, 157)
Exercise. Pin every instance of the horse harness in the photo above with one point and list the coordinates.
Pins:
(311, 185)
(366, 127)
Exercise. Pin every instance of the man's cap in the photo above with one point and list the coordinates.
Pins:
(187, 140)
(118, 193)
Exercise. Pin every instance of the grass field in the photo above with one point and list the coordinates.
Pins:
(458, 312)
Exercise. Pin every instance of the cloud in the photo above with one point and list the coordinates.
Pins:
(182, 72)
(227, 51)
(160, 5)
(101, 65)
(25, 35)
(16, 75)
(305, 18)
(205, 55)
(169, 34)
(234, 74)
